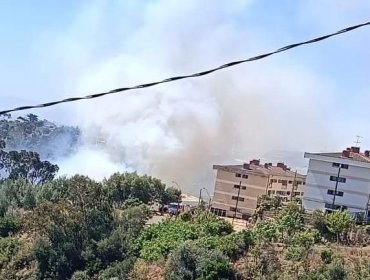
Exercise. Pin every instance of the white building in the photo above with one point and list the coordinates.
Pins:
(338, 180)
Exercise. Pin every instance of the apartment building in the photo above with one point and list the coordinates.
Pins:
(238, 187)
(339, 180)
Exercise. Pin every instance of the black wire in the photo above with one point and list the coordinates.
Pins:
(206, 72)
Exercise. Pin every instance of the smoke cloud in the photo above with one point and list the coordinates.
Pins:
(178, 131)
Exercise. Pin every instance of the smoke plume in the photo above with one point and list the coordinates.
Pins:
(178, 131)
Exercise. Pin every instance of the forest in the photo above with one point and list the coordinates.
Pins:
(77, 228)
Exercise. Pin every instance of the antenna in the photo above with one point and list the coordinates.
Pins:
(357, 140)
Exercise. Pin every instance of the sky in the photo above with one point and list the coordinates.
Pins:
(314, 98)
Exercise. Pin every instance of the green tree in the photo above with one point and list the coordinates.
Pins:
(290, 220)
(190, 261)
(170, 194)
(132, 186)
(46, 138)
(301, 247)
(27, 165)
(265, 232)
(339, 222)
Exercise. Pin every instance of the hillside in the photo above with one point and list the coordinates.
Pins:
(49, 140)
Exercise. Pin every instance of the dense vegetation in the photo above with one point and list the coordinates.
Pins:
(77, 228)
(30, 133)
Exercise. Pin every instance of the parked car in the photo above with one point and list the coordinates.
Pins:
(173, 208)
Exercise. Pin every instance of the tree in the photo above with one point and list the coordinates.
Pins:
(319, 223)
(290, 220)
(26, 165)
(300, 249)
(170, 194)
(338, 222)
(265, 232)
(194, 262)
(46, 138)
(125, 186)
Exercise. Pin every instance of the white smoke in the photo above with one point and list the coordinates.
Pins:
(178, 131)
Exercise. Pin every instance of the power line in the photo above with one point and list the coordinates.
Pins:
(199, 74)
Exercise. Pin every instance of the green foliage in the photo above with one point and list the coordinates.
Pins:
(118, 270)
(319, 223)
(27, 165)
(290, 220)
(266, 202)
(170, 194)
(338, 222)
(265, 232)
(333, 271)
(233, 245)
(44, 137)
(8, 248)
(327, 256)
(80, 275)
(16, 193)
(9, 224)
(123, 186)
(301, 245)
(157, 241)
(190, 261)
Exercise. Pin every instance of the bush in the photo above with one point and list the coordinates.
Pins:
(190, 261)
(158, 240)
(8, 248)
(9, 225)
(118, 270)
(327, 256)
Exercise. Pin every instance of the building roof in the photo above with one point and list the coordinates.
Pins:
(359, 157)
(259, 170)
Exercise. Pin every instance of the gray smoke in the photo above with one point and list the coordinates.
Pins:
(178, 131)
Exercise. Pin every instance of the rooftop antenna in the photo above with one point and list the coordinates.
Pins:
(357, 140)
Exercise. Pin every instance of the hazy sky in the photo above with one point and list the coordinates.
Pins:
(314, 98)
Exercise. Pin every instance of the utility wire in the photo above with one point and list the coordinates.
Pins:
(199, 74)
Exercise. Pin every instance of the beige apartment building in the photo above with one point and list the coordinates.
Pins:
(238, 187)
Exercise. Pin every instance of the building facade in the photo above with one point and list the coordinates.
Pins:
(338, 181)
(238, 187)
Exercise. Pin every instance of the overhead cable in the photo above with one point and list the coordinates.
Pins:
(199, 74)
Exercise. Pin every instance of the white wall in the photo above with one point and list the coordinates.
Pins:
(356, 189)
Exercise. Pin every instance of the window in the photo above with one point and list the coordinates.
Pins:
(339, 193)
(284, 182)
(290, 182)
(279, 181)
(245, 176)
(237, 187)
(302, 193)
(281, 192)
(330, 206)
(218, 212)
(344, 166)
(233, 209)
(299, 182)
(297, 193)
(238, 175)
(303, 183)
(236, 198)
(340, 179)
(273, 181)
